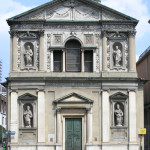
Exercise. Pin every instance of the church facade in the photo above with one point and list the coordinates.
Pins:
(73, 83)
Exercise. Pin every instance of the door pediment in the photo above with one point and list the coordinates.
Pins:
(73, 98)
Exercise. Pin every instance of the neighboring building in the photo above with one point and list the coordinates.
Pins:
(3, 107)
(143, 71)
(73, 83)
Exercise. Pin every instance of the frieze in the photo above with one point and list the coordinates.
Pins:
(122, 27)
(27, 26)
(74, 84)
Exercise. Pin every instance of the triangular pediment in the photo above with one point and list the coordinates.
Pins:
(73, 98)
(119, 95)
(27, 96)
(71, 10)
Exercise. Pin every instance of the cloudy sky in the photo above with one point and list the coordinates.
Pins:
(139, 9)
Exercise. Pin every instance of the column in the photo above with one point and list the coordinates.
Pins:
(41, 116)
(52, 61)
(105, 116)
(132, 116)
(94, 60)
(82, 60)
(132, 53)
(42, 52)
(89, 125)
(63, 61)
(14, 117)
(104, 52)
(59, 127)
(14, 51)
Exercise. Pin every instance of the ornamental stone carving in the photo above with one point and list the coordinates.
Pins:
(28, 55)
(118, 115)
(117, 55)
(27, 117)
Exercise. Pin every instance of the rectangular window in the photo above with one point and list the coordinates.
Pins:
(57, 61)
(88, 61)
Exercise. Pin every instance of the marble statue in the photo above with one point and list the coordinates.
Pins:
(28, 56)
(117, 55)
(27, 117)
(118, 116)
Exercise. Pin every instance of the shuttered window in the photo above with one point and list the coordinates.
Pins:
(73, 56)
(88, 61)
(57, 61)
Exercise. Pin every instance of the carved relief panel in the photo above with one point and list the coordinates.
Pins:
(117, 48)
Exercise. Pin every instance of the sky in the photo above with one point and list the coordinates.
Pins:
(139, 9)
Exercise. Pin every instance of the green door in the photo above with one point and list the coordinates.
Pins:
(73, 134)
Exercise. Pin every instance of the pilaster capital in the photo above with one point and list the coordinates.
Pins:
(132, 33)
(105, 90)
(41, 33)
(131, 90)
(40, 90)
(63, 49)
(58, 109)
(104, 33)
(13, 33)
(14, 90)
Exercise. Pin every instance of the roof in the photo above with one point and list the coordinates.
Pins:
(92, 3)
(144, 54)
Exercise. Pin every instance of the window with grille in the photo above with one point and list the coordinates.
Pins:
(57, 61)
(73, 56)
(88, 61)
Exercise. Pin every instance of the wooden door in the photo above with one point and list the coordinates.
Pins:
(73, 134)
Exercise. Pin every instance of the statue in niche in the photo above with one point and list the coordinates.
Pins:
(27, 117)
(118, 115)
(28, 56)
(117, 55)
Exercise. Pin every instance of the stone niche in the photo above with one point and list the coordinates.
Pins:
(119, 116)
(28, 50)
(27, 119)
(117, 51)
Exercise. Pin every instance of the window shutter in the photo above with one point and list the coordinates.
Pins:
(73, 56)
(57, 61)
(88, 61)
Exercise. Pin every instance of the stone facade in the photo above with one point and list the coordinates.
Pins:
(93, 83)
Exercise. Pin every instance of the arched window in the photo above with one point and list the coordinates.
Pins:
(73, 56)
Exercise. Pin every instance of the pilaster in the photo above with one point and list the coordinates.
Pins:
(105, 117)
(14, 60)
(89, 125)
(59, 127)
(42, 52)
(132, 116)
(132, 53)
(14, 117)
(82, 60)
(41, 116)
(52, 61)
(64, 59)
(104, 52)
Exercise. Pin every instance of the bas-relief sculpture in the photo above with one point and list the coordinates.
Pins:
(118, 115)
(27, 117)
